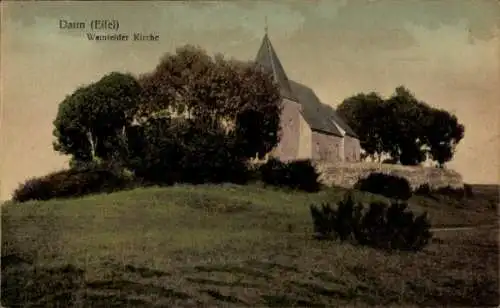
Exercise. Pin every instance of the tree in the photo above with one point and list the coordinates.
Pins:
(408, 130)
(406, 127)
(443, 133)
(237, 96)
(90, 124)
(363, 114)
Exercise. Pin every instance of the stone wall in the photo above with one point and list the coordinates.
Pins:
(346, 174)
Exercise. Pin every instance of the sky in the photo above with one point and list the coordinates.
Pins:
(446, 52)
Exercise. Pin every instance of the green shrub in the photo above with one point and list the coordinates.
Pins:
(380, 226)
(272, 172)
(72, 183)
(342, 222)
(423, 190)
(387, 185)
(469, 193)
(166, 151)
(298, 174)
(452, 192)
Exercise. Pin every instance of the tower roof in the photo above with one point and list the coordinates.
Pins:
(320, 117)
(268, 58)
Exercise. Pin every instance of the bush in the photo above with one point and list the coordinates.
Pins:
(299, 174)
(390, 186)
(456, 193)
(166, 151)
(72, 183)
(423, 190)
(381, 227)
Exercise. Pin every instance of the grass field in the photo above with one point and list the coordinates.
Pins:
(238, 246)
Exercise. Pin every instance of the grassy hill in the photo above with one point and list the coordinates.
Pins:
(234, 245)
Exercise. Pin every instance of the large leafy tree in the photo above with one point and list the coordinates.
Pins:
(364, 114)
(90, 124)
(408, 130)
(443, 133)
(216, 93)
(406, 127)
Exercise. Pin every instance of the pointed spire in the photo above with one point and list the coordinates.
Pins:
(267, 57)
(265, 27)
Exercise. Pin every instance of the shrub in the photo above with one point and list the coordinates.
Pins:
(341, 222)
(298, 174)
(166, 151)
(468, 191)
(272, 172)
(390, 186)
(423, 190)
(380, 226)
(71, 183)
(210, 156)
(456, 193)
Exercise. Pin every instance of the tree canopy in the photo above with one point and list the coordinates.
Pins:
(238, 96)
(406, 129)
(193, 114)
(91, 120)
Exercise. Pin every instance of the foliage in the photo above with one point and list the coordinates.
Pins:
(408, 130)
(217, 93)
(174, 150)
(298, 174)
(457, 193)
(193, 119)
(72, 183)
(443, 133)
(90, 123)
(381, 227)
(388, 185)
(405, 127)
(363, 114)
(202, 118)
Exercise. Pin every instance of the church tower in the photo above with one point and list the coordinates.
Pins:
(291, 144)
(267, 57)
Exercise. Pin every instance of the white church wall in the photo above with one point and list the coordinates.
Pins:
(326, 147)
(305, 139)
(352, 149)
(290, 131)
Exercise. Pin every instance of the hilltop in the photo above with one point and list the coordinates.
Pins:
(238, 245)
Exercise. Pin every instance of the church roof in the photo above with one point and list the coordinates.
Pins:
(334, 116)
(269, 60)
(320, 117)
(313, 110)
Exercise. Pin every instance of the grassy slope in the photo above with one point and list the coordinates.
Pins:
(243, 245)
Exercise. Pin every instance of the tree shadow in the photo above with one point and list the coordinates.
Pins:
(288, 301)
(223, 283)
(36, 286)
(135, 288)
(235, 270)
(143, 272)
(224, 298)
(271, 266)
(26, 285)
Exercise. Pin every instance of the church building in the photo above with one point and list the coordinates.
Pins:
(309, 128)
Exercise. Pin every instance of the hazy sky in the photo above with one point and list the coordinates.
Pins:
(446, 52)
